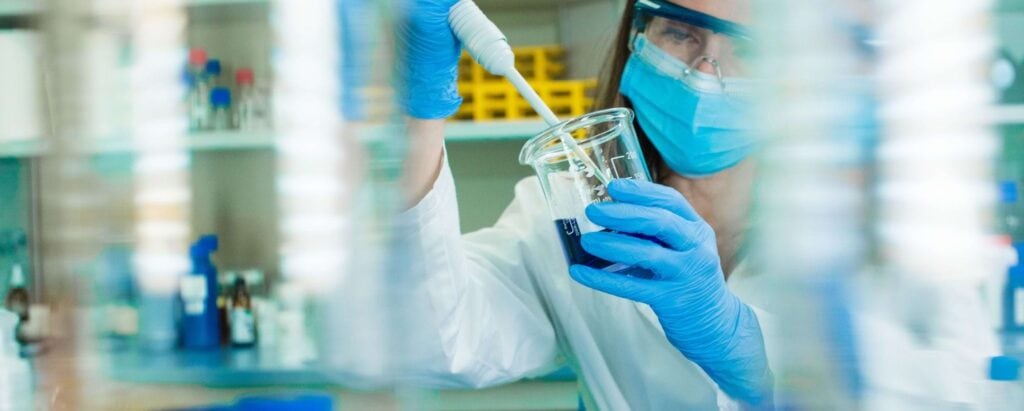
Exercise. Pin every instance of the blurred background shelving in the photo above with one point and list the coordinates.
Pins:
(232, 175)
(12, 8)
(456, 132)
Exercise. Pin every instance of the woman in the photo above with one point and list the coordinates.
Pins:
(502, 302)
(496, 305)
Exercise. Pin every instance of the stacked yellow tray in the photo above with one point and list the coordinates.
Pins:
(488, 97)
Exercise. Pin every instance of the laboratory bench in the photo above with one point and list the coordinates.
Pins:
(232, 368)
(134, 380)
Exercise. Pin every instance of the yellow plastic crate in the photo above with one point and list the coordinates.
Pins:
(501, 101)
(540, 63)
(535, 63)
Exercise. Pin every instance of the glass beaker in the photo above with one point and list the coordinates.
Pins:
(607, 137)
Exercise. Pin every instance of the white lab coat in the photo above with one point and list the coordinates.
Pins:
(504, 308)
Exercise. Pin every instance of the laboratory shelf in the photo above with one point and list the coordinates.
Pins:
(21, 148)
(456, 131)
(203, 141)
(234, 368)
(14, 8)
(215, 368)
(1008, 114)
(493, 130)
(201, 3)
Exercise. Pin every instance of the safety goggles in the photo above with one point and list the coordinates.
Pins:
(697, 40)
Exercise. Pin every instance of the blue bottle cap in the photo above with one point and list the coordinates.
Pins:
(203, 246)
(1008, 191)
(196, 251)
(213, 67)
(209, 241)
(188, 78)
(220, 97)
(1004, 368)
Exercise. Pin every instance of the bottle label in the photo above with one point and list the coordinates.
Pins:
(243, 326)
(193, 294)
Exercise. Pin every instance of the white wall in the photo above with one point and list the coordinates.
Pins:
(587, 30)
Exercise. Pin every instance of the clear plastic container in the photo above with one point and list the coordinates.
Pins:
(198, 90)
(252, 111)
(608, 138)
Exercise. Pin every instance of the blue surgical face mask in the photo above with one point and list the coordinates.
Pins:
(700, 124)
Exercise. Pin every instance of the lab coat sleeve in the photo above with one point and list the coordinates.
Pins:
(479, 319)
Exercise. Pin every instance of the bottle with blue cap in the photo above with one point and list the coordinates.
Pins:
(212, 72)
(1012, 224)
(198, 89)
(1013, 297)
(1011, 209)
(1004, 390)
(200, 325)
(220, 100)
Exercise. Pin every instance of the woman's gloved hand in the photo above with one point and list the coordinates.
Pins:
(655, 228)
(429, 66)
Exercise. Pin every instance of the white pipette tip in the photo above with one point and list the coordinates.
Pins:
(532, 97)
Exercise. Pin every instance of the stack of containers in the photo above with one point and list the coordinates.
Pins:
(212, 104)
(489, 97)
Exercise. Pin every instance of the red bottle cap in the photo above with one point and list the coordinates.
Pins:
(197, 57)
(244, 76)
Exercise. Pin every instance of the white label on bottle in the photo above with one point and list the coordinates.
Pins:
(243, 327)
(1018, 306)
(193, 294)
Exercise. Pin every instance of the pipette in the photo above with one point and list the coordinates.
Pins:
(489, 47)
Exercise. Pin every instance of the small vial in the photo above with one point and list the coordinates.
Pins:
(17, 301)
(252, 111)
(198, 90)
(243, 322)
(220, 101)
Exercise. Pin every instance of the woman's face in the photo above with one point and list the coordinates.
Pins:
(724, 198)
(687, 42)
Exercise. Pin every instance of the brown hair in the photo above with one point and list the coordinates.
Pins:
(608, 95)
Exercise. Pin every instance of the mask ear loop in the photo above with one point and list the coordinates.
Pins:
(714, 64)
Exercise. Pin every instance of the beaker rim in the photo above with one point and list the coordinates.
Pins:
(539, 146)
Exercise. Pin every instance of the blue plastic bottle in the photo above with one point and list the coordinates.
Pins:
(1013, 295)
(220, 100)
(200, 318)
(1003, 391)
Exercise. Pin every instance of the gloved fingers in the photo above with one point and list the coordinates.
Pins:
(654, 195)
(659, 223)
(631, 288)
(630, 250)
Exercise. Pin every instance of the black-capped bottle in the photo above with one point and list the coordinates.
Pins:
(243, 322)
(17, 300)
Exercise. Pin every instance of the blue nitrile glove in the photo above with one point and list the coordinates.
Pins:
(430, 67)
(655, 228)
